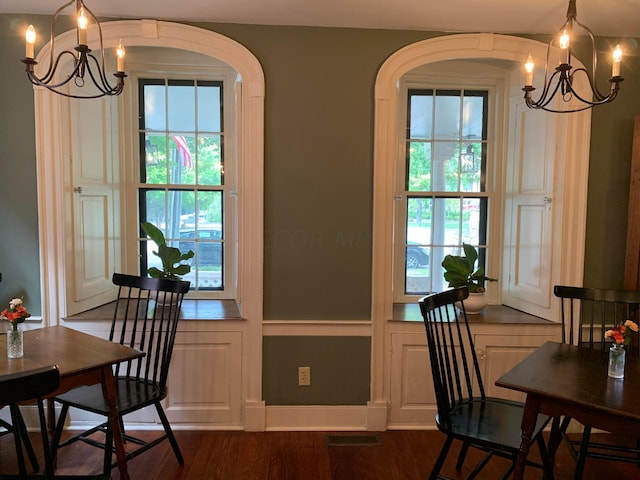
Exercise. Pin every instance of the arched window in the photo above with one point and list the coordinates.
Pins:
(56, 177)
(573, 131)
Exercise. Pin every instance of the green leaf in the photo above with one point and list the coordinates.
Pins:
(456, 270)
(154, 233)
(182, 269)
(459, 271)
(155, 272)
(187, 255)
(171, 257)
(471, 255)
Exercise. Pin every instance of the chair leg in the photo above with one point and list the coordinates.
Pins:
(481, 464)
(547, 458)
(108, 448)
(57, 435)
(435, 471)
(24, 434)
(462, 455)
(17, 438)
(555, 436)
(570, 444)
(48, 459)
(582, 455)
(169, 433)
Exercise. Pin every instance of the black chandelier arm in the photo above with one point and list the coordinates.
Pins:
(594, 67)
(559, 70)
(52, 66)
(116, 90)
(546, 95)
(45, 80)
(599, 97)
(97, 23)
(545, 100)
(101, 82)
(564, 76)
(84, 62)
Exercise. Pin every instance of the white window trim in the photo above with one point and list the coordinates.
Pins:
(51, 188)
(132, 169)
(495, 87)
(448, 47)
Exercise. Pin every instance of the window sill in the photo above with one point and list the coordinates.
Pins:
(197, 309)
(410, 312)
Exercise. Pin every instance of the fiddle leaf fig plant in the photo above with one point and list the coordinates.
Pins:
(172, 258)
(461, 271)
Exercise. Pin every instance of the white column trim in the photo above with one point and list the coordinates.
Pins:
(50, 164)
(450, 47)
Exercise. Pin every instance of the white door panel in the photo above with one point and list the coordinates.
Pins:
(92, 249)
(528, 210)
(92, 229)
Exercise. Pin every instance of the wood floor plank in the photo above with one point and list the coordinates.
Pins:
(234, 455)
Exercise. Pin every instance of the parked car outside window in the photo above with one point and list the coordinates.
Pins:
(207, 246)
(417, 256)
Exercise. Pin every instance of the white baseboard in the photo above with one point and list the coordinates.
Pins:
(316, 418)
(255, 416)
(377, 416)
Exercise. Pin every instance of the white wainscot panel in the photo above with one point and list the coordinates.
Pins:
(413, 402)
(205, 380)
(498, 346)
(498, 353)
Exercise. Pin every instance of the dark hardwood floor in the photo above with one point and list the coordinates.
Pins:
(405, 455)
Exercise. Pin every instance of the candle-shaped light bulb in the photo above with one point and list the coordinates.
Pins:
(617, 58)
(30, 36)
(82, 27)
(120, 57)
(529, 69)
(565, 40)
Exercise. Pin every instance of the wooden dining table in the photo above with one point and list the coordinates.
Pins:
(83, 359)
(561, 379)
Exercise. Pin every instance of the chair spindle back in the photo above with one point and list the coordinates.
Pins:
(146, 318)
(454, 364)
(587, 313)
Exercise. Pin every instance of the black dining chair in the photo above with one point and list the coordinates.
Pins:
(146, 318)
(32, 385)
(586, 314)
(465, 412)
(20, 429)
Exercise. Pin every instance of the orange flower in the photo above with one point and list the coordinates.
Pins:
(16, 313)
(621, 334)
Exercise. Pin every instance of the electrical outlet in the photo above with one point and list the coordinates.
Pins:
(304, 376)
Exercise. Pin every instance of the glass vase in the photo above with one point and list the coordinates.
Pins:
(14, 342)
(617, 359)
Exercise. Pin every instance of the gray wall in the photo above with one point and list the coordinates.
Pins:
(19, 257)
(340, 371)
(318, 165)
(318, 190)
(609, 169)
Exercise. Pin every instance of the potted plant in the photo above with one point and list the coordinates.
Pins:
(460, 271)
(172, 258)
(173, 266)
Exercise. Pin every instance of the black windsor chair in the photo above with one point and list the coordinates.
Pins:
(465, 413)
(20, 429)
(22, 387)
(586, 314)
(145, 318)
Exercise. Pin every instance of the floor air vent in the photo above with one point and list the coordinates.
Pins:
(352, 440)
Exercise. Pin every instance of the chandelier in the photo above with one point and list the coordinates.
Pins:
(562, 79)
(85, 65)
